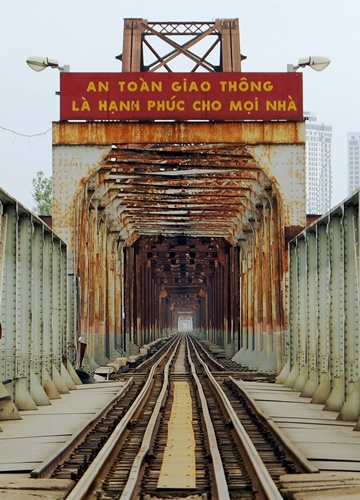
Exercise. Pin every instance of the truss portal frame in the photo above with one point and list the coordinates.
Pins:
(138, 34)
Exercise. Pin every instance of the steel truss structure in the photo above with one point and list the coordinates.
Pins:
(33, 318)
(139, 37)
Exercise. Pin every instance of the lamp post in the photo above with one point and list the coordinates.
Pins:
(39, 63)
(318, 63)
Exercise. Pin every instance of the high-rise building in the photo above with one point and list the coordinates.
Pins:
(318, 165)
(353, 162)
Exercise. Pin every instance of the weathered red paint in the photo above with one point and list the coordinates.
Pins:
(181, 96)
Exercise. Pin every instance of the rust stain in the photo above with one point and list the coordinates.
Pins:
(181, 209)
(91, 133)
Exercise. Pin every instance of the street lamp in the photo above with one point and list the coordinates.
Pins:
(318, 63)
(39, 63)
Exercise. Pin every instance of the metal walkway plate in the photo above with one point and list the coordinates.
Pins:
(178, 470)
(329, 444)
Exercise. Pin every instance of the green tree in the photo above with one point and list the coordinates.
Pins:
(42, 194)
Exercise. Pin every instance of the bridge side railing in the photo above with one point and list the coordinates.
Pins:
(322, 345)
(33, 312)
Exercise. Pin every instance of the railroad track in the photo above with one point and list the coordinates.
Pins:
(233, 453)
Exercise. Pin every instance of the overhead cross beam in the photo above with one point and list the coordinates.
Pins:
(206, 190)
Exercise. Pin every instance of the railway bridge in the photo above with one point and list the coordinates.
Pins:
(179, 203)
(187, 215)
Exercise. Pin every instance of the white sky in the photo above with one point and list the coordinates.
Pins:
(87, 34)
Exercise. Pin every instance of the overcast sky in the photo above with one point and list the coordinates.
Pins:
(87, 35)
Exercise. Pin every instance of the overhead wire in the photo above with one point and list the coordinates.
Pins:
(25, 135)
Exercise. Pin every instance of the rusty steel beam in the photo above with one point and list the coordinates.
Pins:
(138, 33)
(241, 134)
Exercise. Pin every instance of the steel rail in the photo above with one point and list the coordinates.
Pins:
(82, 488)
(220, 478)
(209, 356)
(50, 463)
(292, 450)
(149, 432)
(149, 360)
(266, 484)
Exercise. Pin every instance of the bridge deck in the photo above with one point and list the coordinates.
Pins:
(25, 443)
(331, 445)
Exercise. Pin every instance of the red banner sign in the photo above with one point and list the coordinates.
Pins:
(181, 96)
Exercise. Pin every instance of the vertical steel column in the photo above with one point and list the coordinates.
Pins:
(351, 407)
(266, 279)
(230, 44)
(291, 351)
(144, 296)
(57, 303)
(128, 274)
(102, 258)
(302, 301)
(161, 312)
(216, 296)
(351, 297)
(132, 56)
(233, 306)
(244, 302)
(149, 303)
(239, 285)
(219, 290)
(90, 288)
(152, 305)
(257, 297)
(278, 271)
(226, 298)
(110, 297)
(48, 304)
(250, 300)
(118, 299)
(308, 378)
(157, 307)
(236, 302)
(210, 309)
(3, 229)
(9, 302)
(337, 317)
(247, 352)
(323, 314)
(138, 296)
(122, 339)
(298, 310)
(130, 292)
(23, 299)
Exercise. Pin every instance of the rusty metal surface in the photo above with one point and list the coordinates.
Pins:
(240, 133)
(165, 229)
(142, 50)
